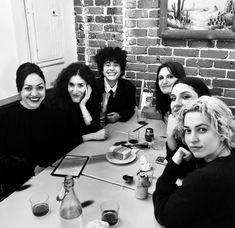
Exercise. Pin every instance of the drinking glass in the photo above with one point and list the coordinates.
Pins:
(159, 144)
(141, 119)
(133, 137)
(109, 212)
(40, 203)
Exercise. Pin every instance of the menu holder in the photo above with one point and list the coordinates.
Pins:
(70, 165)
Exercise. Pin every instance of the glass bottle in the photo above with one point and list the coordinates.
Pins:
(142, 185)
(70, 208)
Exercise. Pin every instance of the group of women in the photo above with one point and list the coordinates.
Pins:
(200, 131)
(40, 128)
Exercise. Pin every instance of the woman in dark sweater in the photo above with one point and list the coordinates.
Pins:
(206, 197)
(76, 106)
(26, 144)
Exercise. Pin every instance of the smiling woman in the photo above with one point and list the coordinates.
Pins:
(33, 91)
(167, 74)
(25, 135)
(76, 106)
(117, 94)
(206, 197)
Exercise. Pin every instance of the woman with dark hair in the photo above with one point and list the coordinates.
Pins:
(76, 106)
(183, 91)
(26, 143)
(167, 74)
(117, 94)
(206, 196)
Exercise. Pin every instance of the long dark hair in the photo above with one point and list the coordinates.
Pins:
(163, 100)
(60, 95)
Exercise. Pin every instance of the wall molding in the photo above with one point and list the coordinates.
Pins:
(9, 100)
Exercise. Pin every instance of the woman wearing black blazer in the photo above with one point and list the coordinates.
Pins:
(117, 94)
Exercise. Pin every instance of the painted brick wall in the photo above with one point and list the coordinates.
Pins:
(134, 26)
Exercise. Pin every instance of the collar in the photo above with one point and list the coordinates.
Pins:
(107, 87)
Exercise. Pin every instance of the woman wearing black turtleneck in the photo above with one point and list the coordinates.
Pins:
(27, 143)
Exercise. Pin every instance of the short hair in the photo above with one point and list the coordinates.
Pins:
(218, 113)
(61, 94)
(115, 54)
(196, 83)
(24, 70)
(163, 100)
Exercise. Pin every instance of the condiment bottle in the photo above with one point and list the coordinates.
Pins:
(142, 185)
(70, 208)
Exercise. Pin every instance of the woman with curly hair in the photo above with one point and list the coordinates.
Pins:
(206, 196)
(183, 91)
(167, 74)
(117, 94)
(76, 105)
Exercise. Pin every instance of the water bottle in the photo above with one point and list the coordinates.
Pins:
(70, 208)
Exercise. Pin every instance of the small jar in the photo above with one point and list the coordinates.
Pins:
(142, 185)
(149, 135)
(148, 173)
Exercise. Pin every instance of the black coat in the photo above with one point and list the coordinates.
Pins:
(124, 100)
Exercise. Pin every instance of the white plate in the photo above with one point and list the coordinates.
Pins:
(109, 156)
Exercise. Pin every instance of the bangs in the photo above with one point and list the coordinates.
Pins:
(111, 59)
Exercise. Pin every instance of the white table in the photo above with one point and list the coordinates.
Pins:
(100, 181)
(98, 167)
(15, 211)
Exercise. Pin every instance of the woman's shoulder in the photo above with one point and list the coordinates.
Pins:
(127, 84)
(215, 171)
(10, 108)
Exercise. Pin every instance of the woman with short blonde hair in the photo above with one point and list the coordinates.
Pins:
(206, 196)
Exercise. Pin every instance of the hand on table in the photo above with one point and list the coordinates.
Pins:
(102, 134)
(113, 117)
(99, 135)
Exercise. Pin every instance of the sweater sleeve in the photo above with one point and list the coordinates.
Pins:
(170, 153)
(173, 205)
(94, 108)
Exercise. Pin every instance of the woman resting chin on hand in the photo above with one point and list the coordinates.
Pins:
(206, 196)
(77, 105)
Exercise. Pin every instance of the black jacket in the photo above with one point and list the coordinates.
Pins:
(124, 100)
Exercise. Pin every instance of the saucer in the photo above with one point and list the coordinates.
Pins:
(109, 156)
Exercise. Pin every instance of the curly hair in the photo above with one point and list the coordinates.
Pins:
(218, 113)
(115, 54)
(163, 100)
(61, 95)
(24, 70)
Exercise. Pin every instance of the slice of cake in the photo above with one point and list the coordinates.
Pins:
(122, 153)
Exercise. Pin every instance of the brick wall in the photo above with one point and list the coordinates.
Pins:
(134, 26)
